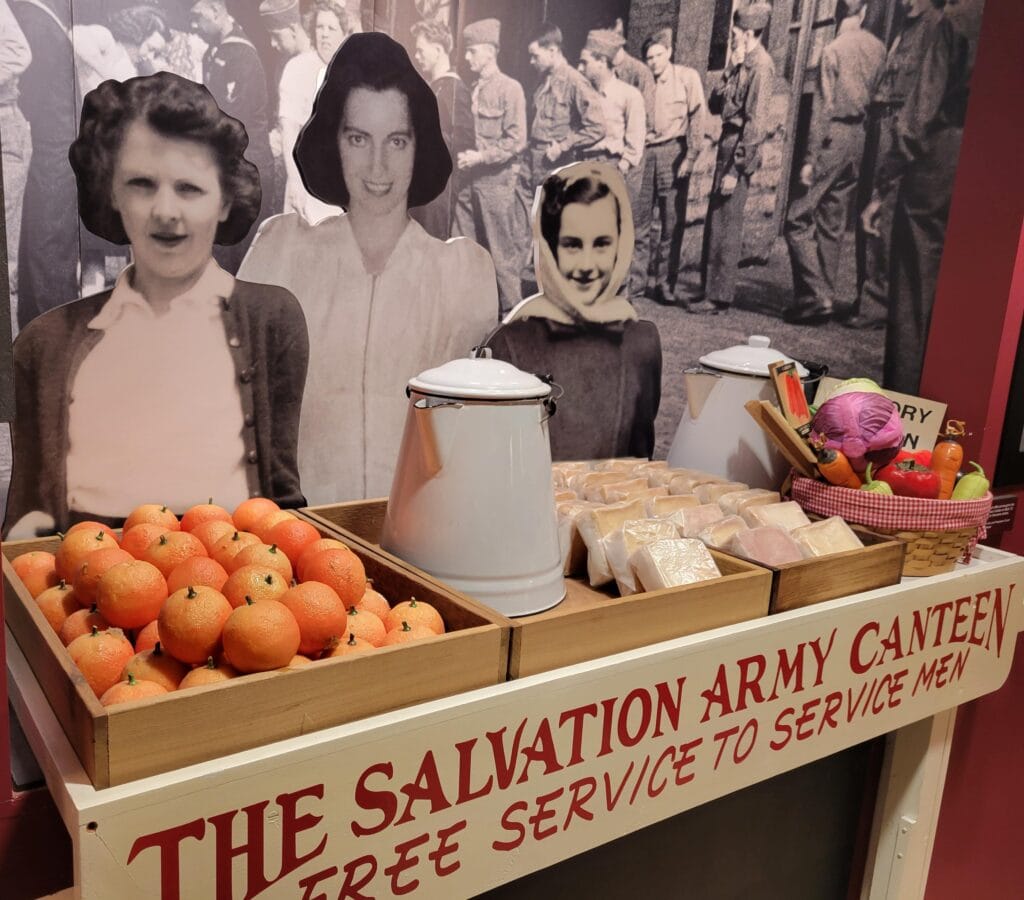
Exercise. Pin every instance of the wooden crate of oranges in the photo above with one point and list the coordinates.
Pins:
(591, 622)
(148, 641)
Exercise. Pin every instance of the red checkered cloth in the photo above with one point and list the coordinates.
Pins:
(895, 513)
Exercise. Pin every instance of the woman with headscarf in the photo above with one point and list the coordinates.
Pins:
(579, 329)
(383, 299)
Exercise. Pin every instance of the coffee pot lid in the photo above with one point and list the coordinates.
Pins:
(480, 378)
(751, 358)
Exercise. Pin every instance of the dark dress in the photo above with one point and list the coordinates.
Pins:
(611, 375)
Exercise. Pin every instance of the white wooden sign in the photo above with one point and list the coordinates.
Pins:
(456, 796)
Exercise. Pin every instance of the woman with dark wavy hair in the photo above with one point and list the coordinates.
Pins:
(181, 382)
(384, 300)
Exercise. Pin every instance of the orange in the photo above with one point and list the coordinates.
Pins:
(90, 525)
(132, 689)
(130, 594)
(101, 657)
(154, 513)
(415, 612)
(262, 528)
(225, 549)
(256, 582)
(321, 615)
(261, 636)
(351, 645)
(80, 622)
(365, 625)
(57, 603)
(209, 673)
(203, 512)
(147, 637)
(406, 633)
(169, 550)
(137, 539)
(212, 531)
(341, 570)
(87, 576)
(293, 536)
(197, 570)
(75, 547)
(191, 623)
(374, 601)
(156, 666)
(248, 513)
(267, 555)
(37, 570)
(312, 550)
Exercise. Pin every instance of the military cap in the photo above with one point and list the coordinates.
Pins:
(485, 31)
(604, 42)
(279, 13)
(754, 17)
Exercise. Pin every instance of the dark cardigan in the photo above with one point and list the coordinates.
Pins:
(611, 375)
(266, 331)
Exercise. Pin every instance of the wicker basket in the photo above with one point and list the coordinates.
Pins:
(938, 533)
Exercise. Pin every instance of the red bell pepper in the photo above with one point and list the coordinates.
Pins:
(921, 457)
(909, 479)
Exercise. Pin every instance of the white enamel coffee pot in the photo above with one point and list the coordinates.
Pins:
(716, 434)
(472, 501)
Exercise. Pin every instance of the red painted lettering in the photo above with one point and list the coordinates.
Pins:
(427, 786)
(639, 781)
(578, 804)
(308, 882)
(444, 848)
(806, 716)
(684, 760)
(783, 729)
(608, 706)
(717, 695)
(644, 698)
(368, 799)
(404, 863)
(856, 662)
(723, 738)
(466, 792)
(169, 843)
(653, 792)
(668, 705)
(292, 824)
(611, 802)
(959, 634)
(541, 750)
(505, 763)
(543, 813)
(251, 849)
(354, 883)
(509, 825)
(751, 672)
(576, 716)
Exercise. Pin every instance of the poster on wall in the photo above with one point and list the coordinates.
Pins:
(788, 168)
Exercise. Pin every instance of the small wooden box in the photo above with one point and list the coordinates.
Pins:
(589, 622)
(122, 743)
(878, 564)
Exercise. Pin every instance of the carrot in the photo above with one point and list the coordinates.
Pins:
(947, 457)
(836, 468)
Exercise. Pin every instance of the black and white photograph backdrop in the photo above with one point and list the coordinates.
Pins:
(789, 165)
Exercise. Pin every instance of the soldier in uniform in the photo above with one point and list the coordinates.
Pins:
(847, 78)
(234, 75)
(567, 121)
(433, 44)
(486, 206)
(931, 64)
(675, 132)
(622, 107)
(741, 99)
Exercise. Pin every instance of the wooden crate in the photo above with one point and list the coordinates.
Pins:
(123, 743)
(591, 623)
(878, 564)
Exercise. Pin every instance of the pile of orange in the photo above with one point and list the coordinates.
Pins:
(209, 596)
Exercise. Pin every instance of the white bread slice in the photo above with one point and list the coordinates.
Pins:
(734, 504)
(596, 524)
(786, 515)
(710, 492)
(622, 543)
(662, 507)
(830, 535)
(692, 520)
(671, 563)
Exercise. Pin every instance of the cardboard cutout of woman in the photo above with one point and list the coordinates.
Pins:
(182, 382)
(579, 329)
(384, 300)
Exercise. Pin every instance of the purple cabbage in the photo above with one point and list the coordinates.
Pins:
(865, 426)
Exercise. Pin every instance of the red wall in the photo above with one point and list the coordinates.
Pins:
(971, 348)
